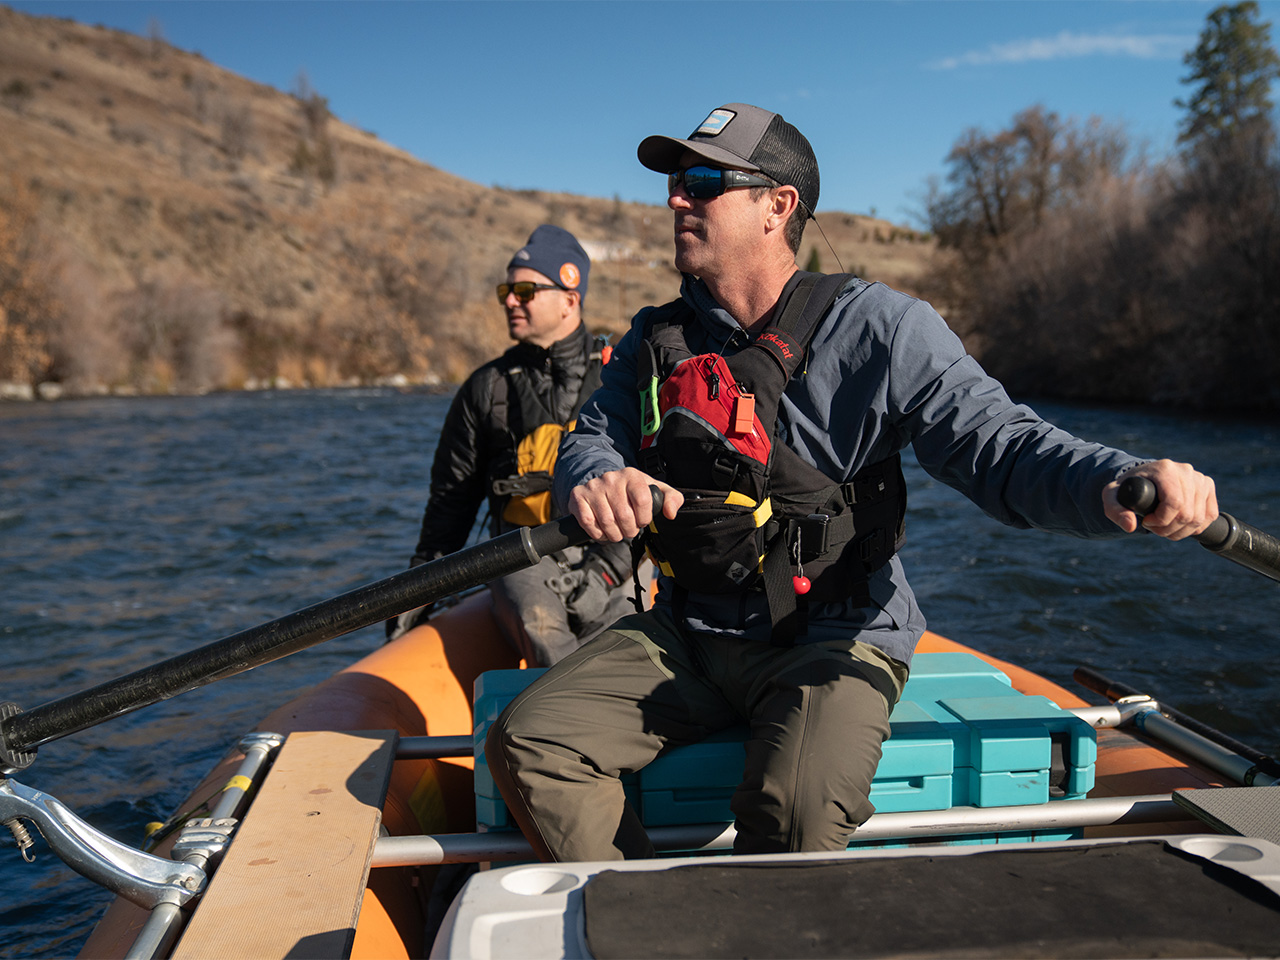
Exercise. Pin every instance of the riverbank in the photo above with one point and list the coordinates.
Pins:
(51, 390)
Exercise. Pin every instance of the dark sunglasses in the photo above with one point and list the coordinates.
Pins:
(525, 290)
(703, 183)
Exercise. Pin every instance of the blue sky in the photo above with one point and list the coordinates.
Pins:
(556, 95)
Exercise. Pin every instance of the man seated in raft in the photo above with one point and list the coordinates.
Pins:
(810, 645)
(500, 440)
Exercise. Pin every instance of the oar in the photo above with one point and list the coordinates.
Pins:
(1115, 690)
(1226, 536)
(22, 732)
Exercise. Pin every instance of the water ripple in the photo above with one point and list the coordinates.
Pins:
(182, 520)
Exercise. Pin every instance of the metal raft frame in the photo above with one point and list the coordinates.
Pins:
(169, 888)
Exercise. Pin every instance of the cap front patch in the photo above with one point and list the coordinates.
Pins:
(569, 276)
(714, 124)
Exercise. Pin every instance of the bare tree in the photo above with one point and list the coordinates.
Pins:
(314, 152)
(237, 131)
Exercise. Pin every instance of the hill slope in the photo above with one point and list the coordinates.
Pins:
(168, 225)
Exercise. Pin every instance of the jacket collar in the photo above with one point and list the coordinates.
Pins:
(569, 348)
(698, 295)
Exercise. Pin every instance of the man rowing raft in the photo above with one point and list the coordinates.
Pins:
(770, 406)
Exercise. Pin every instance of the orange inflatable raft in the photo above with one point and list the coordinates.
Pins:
(420, 685)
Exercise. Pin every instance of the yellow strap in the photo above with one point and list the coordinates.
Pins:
(764, 512)
(238, 783)
(761, 514)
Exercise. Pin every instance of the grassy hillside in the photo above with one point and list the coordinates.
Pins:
(167, 225)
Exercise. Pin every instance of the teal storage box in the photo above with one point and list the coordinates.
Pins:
(960, 736)
(493, 691)
(916, 766)
(1016, 750)
(693, 784)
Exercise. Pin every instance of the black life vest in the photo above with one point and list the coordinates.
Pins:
(528, 437)
(756, 515)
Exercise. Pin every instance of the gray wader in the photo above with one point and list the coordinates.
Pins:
(818, 713)
(550, 609)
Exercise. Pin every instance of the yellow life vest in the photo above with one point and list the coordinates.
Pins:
(523, 481)
(535, 462)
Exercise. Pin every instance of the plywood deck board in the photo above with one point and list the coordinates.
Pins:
(291, 882)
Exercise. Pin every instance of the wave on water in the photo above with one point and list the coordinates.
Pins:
(132, 530)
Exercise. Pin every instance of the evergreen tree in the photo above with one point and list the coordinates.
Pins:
(1228, 195)
(1231, 69)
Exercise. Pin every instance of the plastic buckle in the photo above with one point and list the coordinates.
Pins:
(813, 530)
(725, 472)
(863, 490)
(807, 535)
(651, 462)
(869, 545)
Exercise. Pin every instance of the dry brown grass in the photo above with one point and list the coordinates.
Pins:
(205, 255)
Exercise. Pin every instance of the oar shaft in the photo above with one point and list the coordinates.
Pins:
(271, 641)
(1226, 536)
(1115, 690)
(1243, 544)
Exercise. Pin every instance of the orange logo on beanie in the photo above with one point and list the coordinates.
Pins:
(569, 276)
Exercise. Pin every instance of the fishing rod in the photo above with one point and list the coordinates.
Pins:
(1228, 537)
(23, 731)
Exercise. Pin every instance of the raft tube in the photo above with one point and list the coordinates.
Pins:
(421, 685)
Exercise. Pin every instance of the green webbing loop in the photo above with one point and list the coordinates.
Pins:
(650, 418)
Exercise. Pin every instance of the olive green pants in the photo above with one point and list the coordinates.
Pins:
(817, 712)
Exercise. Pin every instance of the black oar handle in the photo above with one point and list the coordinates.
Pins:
(1226, 536)
(21, 732)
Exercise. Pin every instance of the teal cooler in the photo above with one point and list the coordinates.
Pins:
(493, 691)
(960, 736)
(1009, 749)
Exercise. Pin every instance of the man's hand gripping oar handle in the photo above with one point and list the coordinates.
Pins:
(22, 732)
(1226, 536)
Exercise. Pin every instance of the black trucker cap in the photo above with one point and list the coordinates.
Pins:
(743, 137)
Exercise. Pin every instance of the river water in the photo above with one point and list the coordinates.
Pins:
(134, 529)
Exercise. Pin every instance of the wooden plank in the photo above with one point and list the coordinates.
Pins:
(292, 880)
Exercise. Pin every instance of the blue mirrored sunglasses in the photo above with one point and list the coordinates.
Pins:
(703, 183)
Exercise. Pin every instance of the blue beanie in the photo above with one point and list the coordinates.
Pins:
(557, 255)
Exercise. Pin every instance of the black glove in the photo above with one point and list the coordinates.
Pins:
(398, 626)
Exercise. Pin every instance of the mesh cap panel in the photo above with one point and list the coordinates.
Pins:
(784, 155)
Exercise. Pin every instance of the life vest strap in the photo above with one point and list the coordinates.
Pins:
(522, 485)
(836, 532)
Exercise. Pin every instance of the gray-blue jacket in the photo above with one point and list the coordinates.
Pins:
(884, 371)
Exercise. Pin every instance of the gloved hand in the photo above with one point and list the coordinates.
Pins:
(397, 627)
